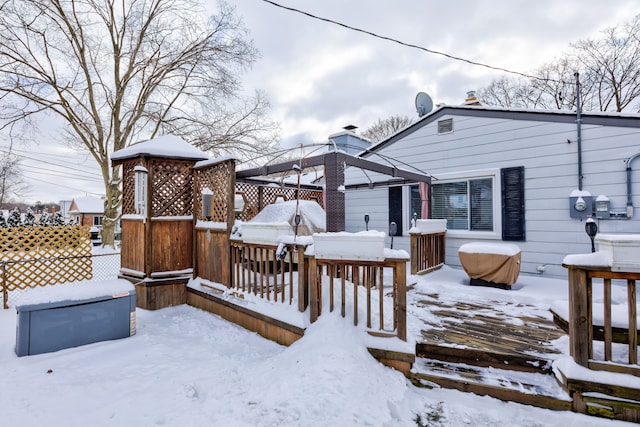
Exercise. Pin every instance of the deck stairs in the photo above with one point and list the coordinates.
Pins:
(526, 380)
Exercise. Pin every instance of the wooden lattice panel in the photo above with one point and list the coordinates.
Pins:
(216, 178)
(40, 256)
(171, 188)
(252, 200)
(313, 195)
(257, 197)
(128, 187)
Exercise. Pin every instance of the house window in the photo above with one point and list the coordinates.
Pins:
(445, 126)
(97, 220)
(489, 204)
(466, 204)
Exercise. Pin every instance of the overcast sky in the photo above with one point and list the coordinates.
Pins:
(320, 77)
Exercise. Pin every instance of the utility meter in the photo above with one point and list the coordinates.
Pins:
(580, 205)
(603, 209)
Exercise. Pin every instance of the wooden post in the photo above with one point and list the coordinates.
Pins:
(580, 316)
(313, 290)
(414, 252)
(401, 299)
(303, 279)
(608, 336)
(5, 294)
(633, 322)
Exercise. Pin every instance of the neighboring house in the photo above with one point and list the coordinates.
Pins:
(87, 211)
(509, 175)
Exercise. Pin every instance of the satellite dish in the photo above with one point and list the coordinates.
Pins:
(424, 104)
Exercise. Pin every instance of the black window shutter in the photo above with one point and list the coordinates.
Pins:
(395, 208)
(513, 203)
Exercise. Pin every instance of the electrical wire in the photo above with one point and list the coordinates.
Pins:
(422, 48)
(16, 153)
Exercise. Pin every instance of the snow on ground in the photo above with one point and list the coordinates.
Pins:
(187, 367)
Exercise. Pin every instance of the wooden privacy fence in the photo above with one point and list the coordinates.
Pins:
(40, 256)
(581, 326)
(427, 251)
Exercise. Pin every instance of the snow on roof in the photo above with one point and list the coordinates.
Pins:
(88, 205)
(215, 161)
(162, 146)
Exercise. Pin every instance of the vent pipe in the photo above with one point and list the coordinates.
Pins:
(579, 123)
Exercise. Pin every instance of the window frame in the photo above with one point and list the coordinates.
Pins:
(494, 174)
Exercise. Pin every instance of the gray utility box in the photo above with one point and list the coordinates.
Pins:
(53, 326)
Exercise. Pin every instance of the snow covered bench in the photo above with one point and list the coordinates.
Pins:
(63, 316)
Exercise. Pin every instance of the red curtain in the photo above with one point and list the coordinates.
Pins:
(423, 187)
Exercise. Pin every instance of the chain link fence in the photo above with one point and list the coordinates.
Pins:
(104, 266)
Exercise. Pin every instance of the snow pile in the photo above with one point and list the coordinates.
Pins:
(187, 367)
(74, 292)
(312, 216)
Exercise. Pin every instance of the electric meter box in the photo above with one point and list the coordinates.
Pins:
(581, 207)
(603, 208)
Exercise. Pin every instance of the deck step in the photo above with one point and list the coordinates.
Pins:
(484, 358)
(618, 400)
(529, 388)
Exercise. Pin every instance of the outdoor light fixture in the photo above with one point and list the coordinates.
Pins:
(591, 228)
(393, 228)
(366, 221)
(296, 221)
(207, 199)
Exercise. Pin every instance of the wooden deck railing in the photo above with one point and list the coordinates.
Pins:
(427, 251)
(581, 318)
(257, 269)
(379, 287)
(367, 276)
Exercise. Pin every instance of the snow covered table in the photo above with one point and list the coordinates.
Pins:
(64, 316)
(491, 264)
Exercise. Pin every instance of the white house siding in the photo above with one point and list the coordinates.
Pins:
(550, 168)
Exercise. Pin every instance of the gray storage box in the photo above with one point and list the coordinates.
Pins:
(54, 325)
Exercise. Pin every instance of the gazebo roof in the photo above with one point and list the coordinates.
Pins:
(167, 146)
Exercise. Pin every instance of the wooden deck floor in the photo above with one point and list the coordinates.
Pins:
(496, 348)
(495, 327)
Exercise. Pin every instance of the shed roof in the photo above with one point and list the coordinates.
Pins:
(168, 146)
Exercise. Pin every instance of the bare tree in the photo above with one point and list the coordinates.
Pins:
(614, 61)
(383, 128)
(609, 70)
(12, 183)
(119, 71)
